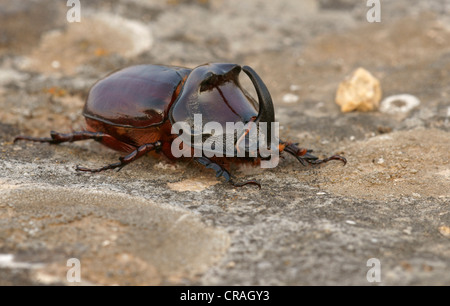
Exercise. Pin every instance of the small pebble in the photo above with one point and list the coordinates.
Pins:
(294, 87)
(379, 161)
(231, 264)
(196, 185)
(445, 231)
(360, 92)
(290, 98)
(398, 104)
(408, 230)
(350, 222)
(56, 64)
(384, 129)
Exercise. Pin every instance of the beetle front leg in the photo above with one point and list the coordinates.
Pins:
(304, 156)
(220, 171)
(123, 161)
(334, 157)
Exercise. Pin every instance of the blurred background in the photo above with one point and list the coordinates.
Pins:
(301, 48)
(304, 51)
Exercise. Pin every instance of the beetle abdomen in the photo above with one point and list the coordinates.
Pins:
(137, 96)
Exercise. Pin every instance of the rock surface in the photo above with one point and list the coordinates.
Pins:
(159, 223)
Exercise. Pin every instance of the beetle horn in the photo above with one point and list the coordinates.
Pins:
(266, 111)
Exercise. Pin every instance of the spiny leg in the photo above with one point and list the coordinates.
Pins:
(222, 172)
(123, 161)
(334, 157)
(56, 137)
(105, 139)
(304, 156)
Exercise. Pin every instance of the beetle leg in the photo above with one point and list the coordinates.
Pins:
(123, 161)
(105, 139)
(304, 156)
(56, 137)
(223, 172)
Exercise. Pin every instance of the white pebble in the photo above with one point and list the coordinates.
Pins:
(56, 64)
(290, 98)
(398, 104)
(350, 222)
(379, 161)
(408, 230)
(294, 87)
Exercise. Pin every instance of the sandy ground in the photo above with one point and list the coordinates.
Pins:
(160, 223)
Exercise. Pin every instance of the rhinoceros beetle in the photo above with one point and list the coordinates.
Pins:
(132, 110)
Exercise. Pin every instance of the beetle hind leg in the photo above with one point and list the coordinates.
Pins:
(56, 137)
(103, 138)
(305, 157)
(223, 172)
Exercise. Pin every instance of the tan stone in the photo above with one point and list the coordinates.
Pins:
(360, 92)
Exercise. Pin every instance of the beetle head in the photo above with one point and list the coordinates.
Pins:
(212, 76)
(214, 91)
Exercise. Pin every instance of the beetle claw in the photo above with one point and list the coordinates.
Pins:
(304, 156)
(334, 157)
(223, 172)
(301, 160)
(316, 161)
(252, 182)
(79, 168)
